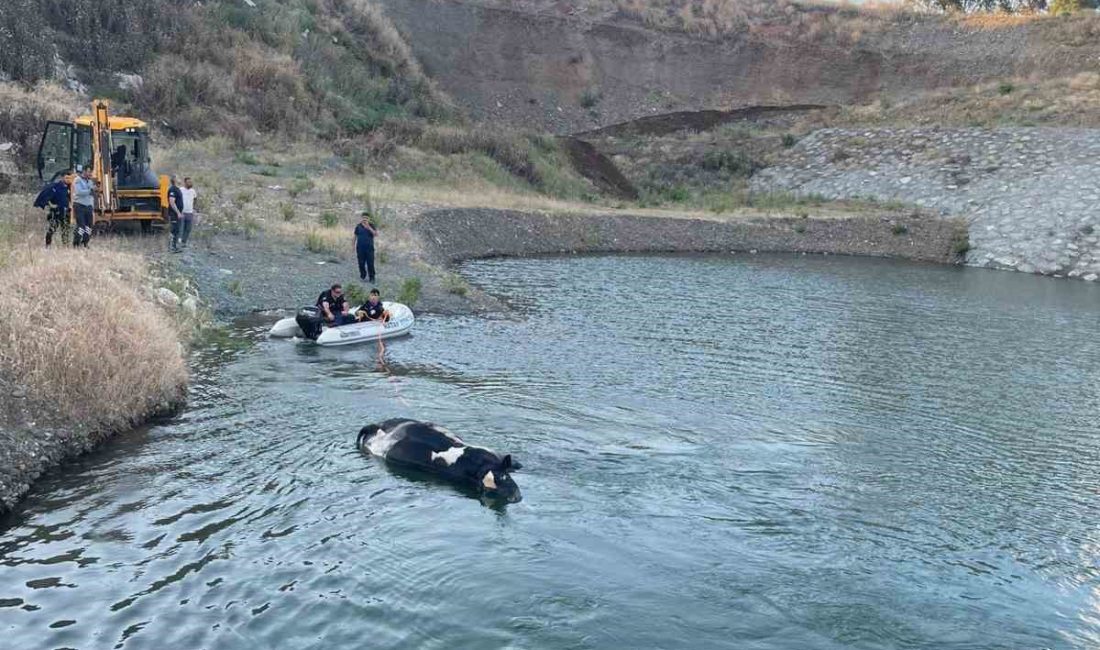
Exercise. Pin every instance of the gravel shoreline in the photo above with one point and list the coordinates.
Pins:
(238, 275)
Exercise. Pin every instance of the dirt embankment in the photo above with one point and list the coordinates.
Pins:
(111, 358)
(667, 123)
(452, 235)
(566, 74)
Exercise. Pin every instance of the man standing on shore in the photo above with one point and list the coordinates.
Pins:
(365, 232)
(175, 212)
(55, 198)
(189, 195)
(84, 191)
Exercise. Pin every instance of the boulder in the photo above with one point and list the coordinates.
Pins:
(129, 81)
(167, 297)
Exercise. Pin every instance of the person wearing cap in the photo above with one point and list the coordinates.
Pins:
(365, 232)
(55, 198)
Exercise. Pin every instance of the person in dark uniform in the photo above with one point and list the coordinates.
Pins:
(373, 309)
(333, 306)
(55, 197)
(175, 212)
(365, 232)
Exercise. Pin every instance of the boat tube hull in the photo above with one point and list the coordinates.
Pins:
(400, 323)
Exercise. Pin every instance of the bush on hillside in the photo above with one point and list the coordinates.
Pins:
(24, 54)
(97, 35)
(330, 68)
(23, 111)
(1059, 7)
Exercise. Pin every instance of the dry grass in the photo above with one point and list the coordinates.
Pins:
(1071, 101)
(78, 335)
(996, 20)
(809, 21)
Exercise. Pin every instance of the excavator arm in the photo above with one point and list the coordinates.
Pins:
(101, 157)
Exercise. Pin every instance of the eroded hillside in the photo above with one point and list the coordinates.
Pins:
(574, 66)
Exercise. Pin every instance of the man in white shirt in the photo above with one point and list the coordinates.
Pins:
(189, 196)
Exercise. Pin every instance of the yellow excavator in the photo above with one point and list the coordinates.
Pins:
(117, 151)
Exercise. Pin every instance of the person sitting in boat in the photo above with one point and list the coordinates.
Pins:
(333, 306)
(373, 309)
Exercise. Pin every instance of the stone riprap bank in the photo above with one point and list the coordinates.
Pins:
(1031, 195)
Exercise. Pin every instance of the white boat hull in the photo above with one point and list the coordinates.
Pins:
(400, 322)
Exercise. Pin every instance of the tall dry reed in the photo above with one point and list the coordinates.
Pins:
(79, 335)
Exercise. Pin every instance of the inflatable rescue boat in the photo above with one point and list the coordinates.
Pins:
(308, 324)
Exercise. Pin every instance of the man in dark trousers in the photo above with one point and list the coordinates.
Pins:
(55, 197)
(175, 212)
(84, 192)
(365, 232)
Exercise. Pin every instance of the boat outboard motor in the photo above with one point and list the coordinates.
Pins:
(309, 320)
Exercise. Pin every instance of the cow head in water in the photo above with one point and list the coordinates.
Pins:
(496, 481)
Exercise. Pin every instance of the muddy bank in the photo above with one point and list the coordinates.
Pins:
(112, 359)
(457, 234)
(34, 440)
(238, 274)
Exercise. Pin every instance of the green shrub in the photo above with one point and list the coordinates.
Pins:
(1059, 7)
(454, 283)
(249, 227)
(287, 210)
(590, 97)
(235, 288)
(960, 245)
(677, 194)
(243, 198)
(410, 291)
(1005, 88)
(900, 229)
(357, 293)
(300, 186)
(329, 219)
(246, 157)
(789, 140)
(315, 242)
(735, 163)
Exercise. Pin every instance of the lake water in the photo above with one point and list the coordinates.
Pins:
(719, 452)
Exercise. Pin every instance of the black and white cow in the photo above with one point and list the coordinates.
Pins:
(425, 446)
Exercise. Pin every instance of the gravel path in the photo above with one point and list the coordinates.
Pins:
(1029, 194)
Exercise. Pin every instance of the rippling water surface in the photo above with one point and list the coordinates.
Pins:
(746, 452)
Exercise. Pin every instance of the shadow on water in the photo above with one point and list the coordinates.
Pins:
(424, 478)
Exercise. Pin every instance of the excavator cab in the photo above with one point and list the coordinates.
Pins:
(117, 151)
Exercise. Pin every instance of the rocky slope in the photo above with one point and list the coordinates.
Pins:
(1029, 194)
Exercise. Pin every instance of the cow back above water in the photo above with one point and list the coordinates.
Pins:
(433, 449)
